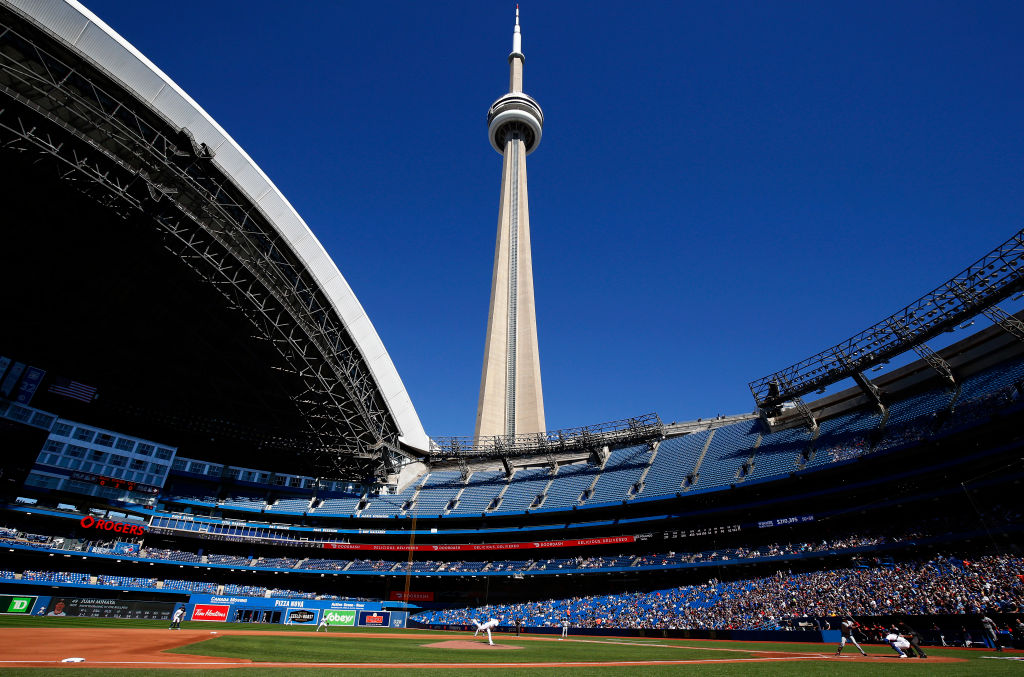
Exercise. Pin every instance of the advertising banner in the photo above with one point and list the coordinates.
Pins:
(109, 608)
(375, 619)
(301, 616)
(210, 612)
(90, 522)
(340, 616)
(17, 604)
(412, 596)
(477, 547)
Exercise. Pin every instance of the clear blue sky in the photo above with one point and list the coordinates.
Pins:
(722, 188)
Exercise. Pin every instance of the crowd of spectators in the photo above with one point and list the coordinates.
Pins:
(778, 551)
(942, 585)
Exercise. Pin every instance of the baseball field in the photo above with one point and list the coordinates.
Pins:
(32, 646)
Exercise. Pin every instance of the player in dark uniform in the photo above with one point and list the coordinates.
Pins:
(912, 636)
(846, 628)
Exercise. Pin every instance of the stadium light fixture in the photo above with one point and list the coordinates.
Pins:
(996, 276)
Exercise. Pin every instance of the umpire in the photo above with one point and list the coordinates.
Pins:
(914, 638)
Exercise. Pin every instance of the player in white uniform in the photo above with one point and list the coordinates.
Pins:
(323, 623)
(177, 618)
(846, 628)
(480, 627)
(565, 628)
(898, 643)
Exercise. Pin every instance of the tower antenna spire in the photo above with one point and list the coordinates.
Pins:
(517, 37)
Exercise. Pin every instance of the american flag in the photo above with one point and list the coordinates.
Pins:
(73, 389)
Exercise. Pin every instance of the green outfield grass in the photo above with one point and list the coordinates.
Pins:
(306, 647)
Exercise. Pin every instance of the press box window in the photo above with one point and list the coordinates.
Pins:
(84, 434)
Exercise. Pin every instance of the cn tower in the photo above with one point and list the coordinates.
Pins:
(511, 401)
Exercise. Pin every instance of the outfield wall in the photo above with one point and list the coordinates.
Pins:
(239, 608)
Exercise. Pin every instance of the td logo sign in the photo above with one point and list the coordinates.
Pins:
(16, 605)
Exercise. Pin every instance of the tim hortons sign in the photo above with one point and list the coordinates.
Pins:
(210, 612)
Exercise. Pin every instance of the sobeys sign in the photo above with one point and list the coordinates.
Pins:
(342, 617)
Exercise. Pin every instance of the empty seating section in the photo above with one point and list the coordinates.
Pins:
(193, 586)
(730, 447)
(275, 562)
(126, 581)
(371, 565)
(228, 559)
(992, 379)
(291, 506)
(779, 453)
(251, 590)
(844, 437)
(384, 505)
(481, 489)
(337, 506)
(295, 594)
(55, 577)
(620, 473)
(569, 483)
(510, 565)
(675, 460)
(523, 489)
(256, 503)
(986, 393)
(4, 573)
(184, 492)
(438, 490)
(324, 564)
(913, 419)
(172, 555)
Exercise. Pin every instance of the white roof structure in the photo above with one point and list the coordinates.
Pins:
(89, 36)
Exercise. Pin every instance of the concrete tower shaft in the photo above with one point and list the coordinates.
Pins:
(511, 401)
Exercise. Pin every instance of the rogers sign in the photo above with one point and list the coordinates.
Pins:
(210, 612)
(90, 522)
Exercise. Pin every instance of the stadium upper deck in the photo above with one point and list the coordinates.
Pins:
(201, 304)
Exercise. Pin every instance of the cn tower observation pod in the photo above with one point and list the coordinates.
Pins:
(217, 211)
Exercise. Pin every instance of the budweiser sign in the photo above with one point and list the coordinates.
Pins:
(210, 612)
(90, 522)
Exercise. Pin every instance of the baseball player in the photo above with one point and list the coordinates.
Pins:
(846, 628)
(898, 643)
(480, 627)
(177, 618)
(914, 638)
(324, 623)
(565, 628)
(992, 632)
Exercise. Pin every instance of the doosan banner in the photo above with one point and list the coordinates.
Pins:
(456, 547)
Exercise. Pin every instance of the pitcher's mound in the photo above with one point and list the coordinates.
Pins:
(468, 644)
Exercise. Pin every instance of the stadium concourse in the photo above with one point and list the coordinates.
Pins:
(270, 467)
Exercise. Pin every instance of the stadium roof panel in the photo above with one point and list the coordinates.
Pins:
(91, 38)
